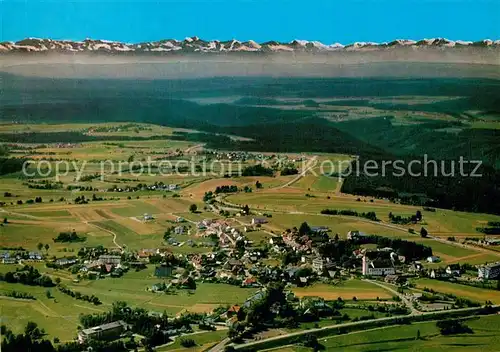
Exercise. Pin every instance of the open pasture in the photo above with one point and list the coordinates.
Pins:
(440, 223)
(362, 290)
(203, 340)
(472, 293)
(337, 224)
(98, 129)
(99, 222)
(49, 312)
(27, 234)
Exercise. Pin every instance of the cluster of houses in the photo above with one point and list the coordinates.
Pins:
(145, 253)
(66, 145)
(244, 156)
(143, 187)
(490, 241)
(11, 258)
(226, 234)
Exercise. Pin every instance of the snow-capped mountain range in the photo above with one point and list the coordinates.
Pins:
(197, 45)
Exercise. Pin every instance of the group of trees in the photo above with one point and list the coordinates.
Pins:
(75, 294)
(423, 232)
(43, 184)
(271, 307)
(257, 170)
(453, 326)
(81, 200)
(27, 276)
(31, 340)
(411, 250)
(289, 171)
(226, 189)
(40, 246)
(10, 165)
(20, 295)
(208, 197)
(368, 215)
(341, 250)
(31, 201)
(69, 237)
(398, 219)
(81, 188)
(473, 194)
(492, 229)
(246, 209)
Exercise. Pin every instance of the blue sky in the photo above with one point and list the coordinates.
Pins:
(284, 20)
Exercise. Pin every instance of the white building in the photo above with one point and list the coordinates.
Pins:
(369, 269)
(109, 259)
(433, 259)
(258, 221)
(490, 271)
(354, 234)
(173, 187)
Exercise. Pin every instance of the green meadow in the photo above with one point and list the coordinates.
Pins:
(404, 338)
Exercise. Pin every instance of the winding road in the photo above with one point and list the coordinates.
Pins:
(407, 302)
(106, 230)
(311, 163)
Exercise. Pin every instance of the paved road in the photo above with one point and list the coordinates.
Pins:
(187, 150)
(406, 301)
(220, 346)
(311, 163)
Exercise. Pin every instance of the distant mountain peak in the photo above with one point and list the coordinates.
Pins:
(195, 44)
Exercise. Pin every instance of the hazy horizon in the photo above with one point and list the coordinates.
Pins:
(435, 62)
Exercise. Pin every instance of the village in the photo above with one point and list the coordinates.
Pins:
(297, 257)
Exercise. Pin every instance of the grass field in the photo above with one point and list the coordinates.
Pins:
(57, 315)
(97, 221)
(403, 338)
(203, 341)
(340, 225)
(130, 288)
(347, 290)
(49, 213)
(472, 293)
(441, 223)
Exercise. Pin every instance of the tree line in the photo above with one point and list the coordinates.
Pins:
(411, 250)
(75, 294)
(69, 237)
(371, 215)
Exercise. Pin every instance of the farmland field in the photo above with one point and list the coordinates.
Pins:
(472, 293)
(346, 290)
(403, 338)
(16, 313)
